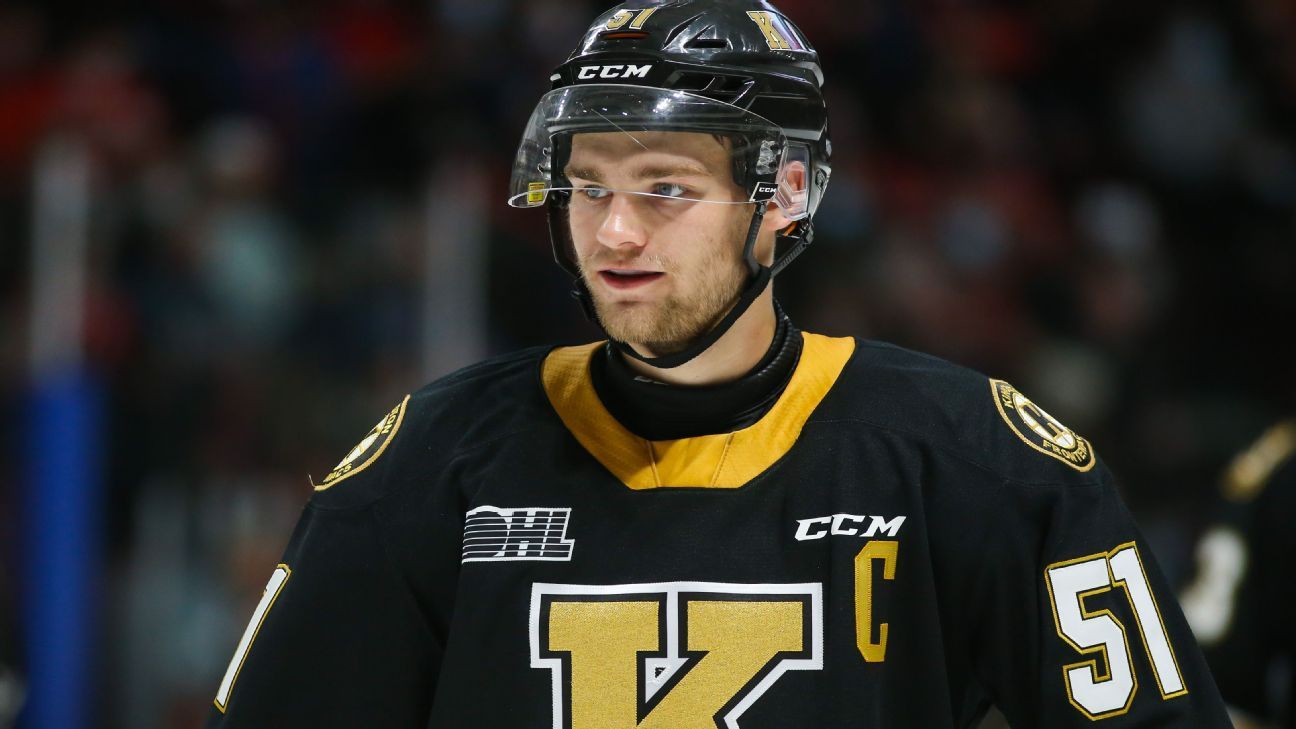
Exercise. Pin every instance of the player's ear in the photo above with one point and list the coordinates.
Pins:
(788, 203)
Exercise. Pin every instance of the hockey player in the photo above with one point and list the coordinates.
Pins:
(1240, 604)
(712, 519)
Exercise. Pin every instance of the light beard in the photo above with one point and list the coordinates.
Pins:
(702, 292)
(701, 299)
(671, 325)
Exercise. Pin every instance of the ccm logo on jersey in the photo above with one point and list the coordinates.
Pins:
(847, 525)
(616, 70)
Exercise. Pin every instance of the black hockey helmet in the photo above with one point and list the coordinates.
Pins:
(737, 68)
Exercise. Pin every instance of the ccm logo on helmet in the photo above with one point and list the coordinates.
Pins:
(617, 70)
(763, 191)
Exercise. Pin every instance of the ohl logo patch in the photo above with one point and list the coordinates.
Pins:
(1039, 430)
(368, 449)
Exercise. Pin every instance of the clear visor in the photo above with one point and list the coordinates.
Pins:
(596, 140)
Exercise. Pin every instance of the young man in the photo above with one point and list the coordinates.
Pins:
(712, 519)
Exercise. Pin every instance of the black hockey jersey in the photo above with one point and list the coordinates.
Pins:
(897, 543)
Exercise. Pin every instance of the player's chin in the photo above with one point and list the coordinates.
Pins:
(627, 322)
(641, 326)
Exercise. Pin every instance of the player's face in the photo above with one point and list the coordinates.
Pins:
(662, 268)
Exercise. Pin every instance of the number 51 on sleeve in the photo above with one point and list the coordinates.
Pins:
(1104, 691)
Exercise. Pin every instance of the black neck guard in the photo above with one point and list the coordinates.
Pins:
(658, 411)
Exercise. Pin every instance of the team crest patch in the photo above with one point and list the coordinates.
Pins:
(1039, 430)
(368, 450)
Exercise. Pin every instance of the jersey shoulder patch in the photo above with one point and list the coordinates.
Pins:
(1039, 430)
(368, 450)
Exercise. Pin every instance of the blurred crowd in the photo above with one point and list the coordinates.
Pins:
(1093, 199)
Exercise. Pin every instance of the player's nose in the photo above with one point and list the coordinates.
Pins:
(622, 226)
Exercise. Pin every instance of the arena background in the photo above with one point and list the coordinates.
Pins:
(232, 234)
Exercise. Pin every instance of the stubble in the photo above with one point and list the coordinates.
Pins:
(702, 293)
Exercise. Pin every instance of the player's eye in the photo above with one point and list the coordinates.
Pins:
(669, 189)
(594, 193)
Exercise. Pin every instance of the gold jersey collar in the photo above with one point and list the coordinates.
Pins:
(725, 460)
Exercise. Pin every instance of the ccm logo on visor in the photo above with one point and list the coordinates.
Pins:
(614, 71)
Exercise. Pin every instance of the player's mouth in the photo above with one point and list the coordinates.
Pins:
(628, 278)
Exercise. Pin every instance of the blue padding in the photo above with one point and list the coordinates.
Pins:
(62, 550)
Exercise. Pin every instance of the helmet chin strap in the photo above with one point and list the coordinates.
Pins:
(758, 278)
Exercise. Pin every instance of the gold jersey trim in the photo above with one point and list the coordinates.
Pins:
(725, 460)
(1250, 471)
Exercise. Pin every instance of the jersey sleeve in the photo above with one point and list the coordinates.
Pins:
(1077, 624)
(339, 638)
